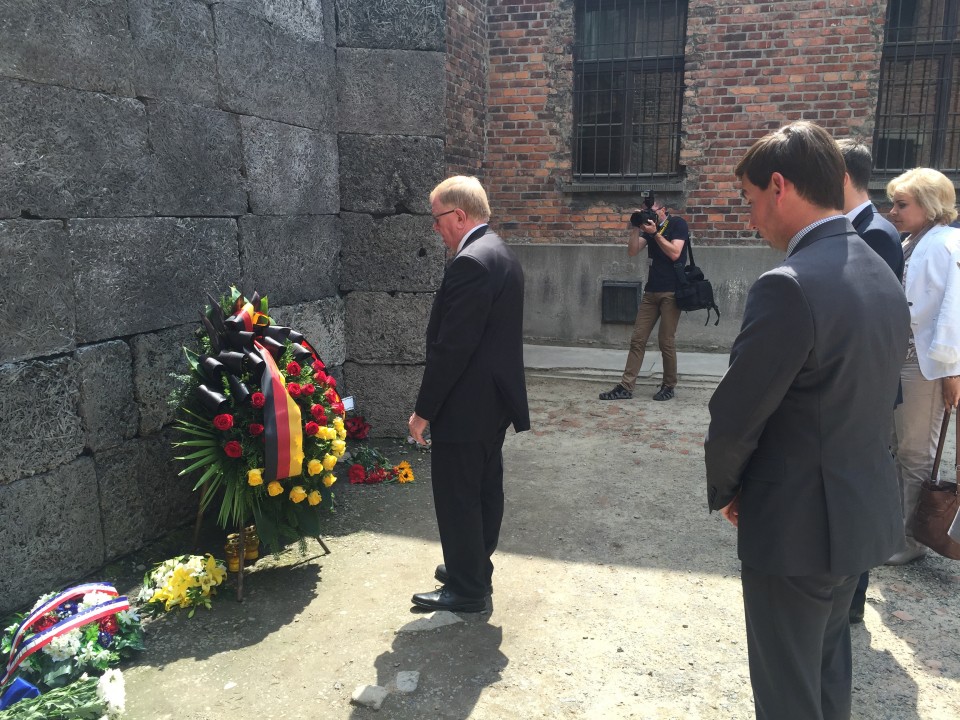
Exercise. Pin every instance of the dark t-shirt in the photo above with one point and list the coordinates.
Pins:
(662, 277)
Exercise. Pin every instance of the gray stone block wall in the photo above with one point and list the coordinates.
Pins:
(156, 150)
(42, 544)
(397, 252)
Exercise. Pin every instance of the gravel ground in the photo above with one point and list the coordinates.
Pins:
(616, 596)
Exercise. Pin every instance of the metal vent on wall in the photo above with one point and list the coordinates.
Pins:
(620, 301)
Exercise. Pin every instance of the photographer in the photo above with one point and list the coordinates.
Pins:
(665, 238)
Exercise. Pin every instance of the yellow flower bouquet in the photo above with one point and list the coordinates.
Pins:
(187, 581)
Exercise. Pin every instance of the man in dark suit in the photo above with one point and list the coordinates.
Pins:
(883, 238)
(796, 452)
(473, 388)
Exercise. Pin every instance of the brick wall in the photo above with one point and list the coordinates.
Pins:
(750, 67)
(466, 73)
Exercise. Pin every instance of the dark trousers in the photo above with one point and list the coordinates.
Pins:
(468, 498)
(798, 643)
(859, 601)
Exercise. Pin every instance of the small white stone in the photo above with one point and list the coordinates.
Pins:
(230, 685)
(371, 696)
(407, 680)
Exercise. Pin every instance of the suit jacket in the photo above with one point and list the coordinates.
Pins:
(473, 383)
(880, 234)
(799, 424)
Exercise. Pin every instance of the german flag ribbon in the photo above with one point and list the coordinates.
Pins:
(19, 653)
(282, 429)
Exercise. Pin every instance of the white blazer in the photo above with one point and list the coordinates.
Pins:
(933, 291)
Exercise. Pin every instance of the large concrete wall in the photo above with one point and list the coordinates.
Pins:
(562, 299)
(152, 151)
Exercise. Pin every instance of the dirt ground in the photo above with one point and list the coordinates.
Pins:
(616, 595)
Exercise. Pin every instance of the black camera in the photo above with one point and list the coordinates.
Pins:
(646, 214)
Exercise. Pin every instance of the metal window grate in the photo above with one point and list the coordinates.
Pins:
(628, 87)
(918, 113)
(620, 301)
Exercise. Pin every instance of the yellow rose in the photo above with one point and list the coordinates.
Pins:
(314, 497)
(274, 489)
(342, 433)
(338, 423)
(255, 477)
(329, 479)
(330, 433)
(339, 447)
(329, 461)
(314, 467)
(298, 494)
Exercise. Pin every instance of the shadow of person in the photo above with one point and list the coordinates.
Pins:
(456, 662)
(882, 687)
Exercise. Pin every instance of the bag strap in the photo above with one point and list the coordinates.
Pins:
(690, 260)
(940, 443)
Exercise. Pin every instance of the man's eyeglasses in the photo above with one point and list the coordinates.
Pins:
(436, 218)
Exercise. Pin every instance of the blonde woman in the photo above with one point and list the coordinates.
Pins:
(923, 206)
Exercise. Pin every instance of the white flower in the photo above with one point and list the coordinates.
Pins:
(64, 647)
(43, 599)
(94, 598)
(130, 616)
(111, 691)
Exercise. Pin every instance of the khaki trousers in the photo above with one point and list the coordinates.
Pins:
(654, 306)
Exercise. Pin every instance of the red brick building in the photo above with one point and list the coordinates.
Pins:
(570, 109)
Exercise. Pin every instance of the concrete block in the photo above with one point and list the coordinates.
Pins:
(306, 19)
(36, 295)
(84, 45)
(400, 92)
(44, 544)
(397, 252)
(199, 160)
(140, 274)
(156, 357)
(122, 512)
(322, 323)
(169, 499)
(290, 259)
(39, 426)
(175, 58)
(407, 680)
(291, 170)
(107, 407)
(371, 696)
(72, 154)
(400, 24)
(389, 174)
(268, 71)
(386, 327)
(385, 395)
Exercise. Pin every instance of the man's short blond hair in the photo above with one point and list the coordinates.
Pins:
(464, 192)
(932, 191)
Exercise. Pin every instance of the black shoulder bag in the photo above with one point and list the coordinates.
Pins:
(694, 291)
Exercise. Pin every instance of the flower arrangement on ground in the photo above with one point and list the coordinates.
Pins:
(89, 698)
(261, 421)
(188, 581)
(371, 467)
(85, 629)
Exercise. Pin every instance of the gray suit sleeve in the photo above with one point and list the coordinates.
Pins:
(774, 343)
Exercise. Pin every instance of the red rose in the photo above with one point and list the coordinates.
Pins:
(357, 428)
(377, 475)
(258, 400)
(318, 367)
(233, 449)
(255, 429)
(357, 474)
(337, 407)
(311, 428)
(331, 381)
(294, 389)
(110, 625)
(293, 368)
(331, 395)
(48, 620)
(319, 414)
(223, 422)
(309, 389)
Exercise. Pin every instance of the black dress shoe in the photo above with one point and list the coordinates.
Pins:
(444, 599)
(441, 575)
(856, 615)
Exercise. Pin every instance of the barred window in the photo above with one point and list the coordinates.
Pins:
(918, 113)
(628, 87)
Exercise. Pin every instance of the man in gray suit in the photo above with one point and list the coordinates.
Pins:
(796, 452)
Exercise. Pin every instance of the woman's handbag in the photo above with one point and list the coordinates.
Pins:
(939, 505)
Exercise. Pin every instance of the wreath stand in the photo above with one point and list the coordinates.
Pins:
(241, 531)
